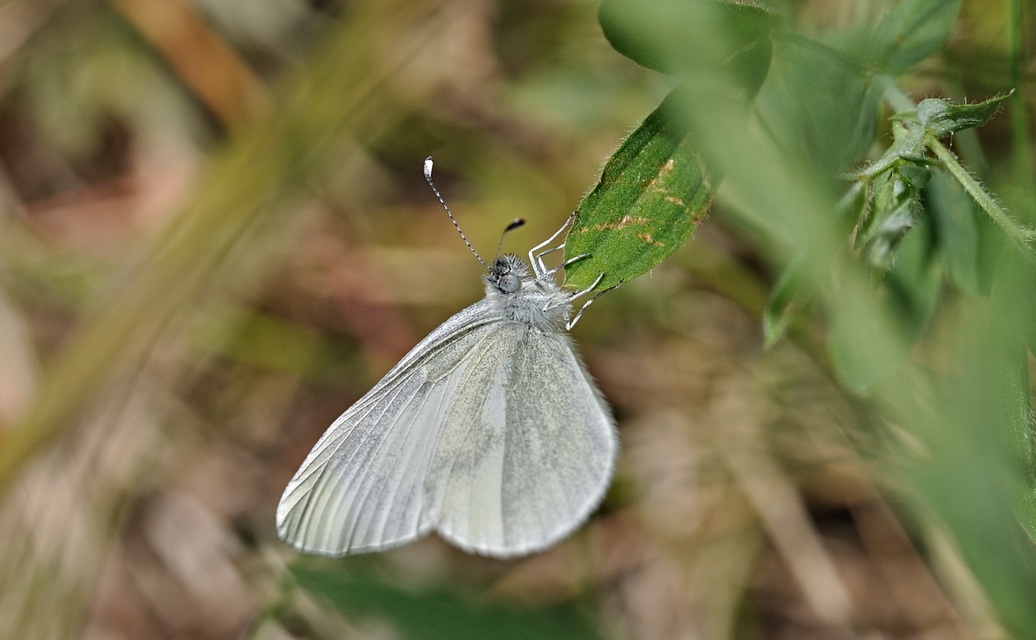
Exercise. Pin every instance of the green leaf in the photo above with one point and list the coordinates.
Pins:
(851, 207)
(872, 331)
(942, 117)
(974, 424)
(819, 108)
(784, 299)
(1010, 298)
(437, 614)
(894, 209)
(858, 365)
(652, 194)
(1028, 276)
(899, 176)
(692, 37)
(914, 281)
(955, 219)
(911, 31)
(867, 341)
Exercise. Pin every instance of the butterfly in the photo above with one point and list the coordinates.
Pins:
(489, 432)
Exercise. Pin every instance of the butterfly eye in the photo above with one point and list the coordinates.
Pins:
(509, 283)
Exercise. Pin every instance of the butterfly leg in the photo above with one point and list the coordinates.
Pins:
(536, 259)
(554, 305)
(561, 266)
(541, 268)
(571, 323)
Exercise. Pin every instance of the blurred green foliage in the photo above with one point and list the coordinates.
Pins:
(440, 614)
(901, 268)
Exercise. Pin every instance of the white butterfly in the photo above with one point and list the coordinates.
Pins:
(489, 432)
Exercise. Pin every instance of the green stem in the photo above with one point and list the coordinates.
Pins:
(1023, 160)
(1016, 232)
(890, 91)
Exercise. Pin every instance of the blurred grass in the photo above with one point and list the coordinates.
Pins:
(241, 209)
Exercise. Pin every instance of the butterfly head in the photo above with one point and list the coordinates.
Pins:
(506, 275)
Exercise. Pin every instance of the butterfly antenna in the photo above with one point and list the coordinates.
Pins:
(517, 222)
(428, 177)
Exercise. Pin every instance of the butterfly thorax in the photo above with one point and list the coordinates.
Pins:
(521, 297)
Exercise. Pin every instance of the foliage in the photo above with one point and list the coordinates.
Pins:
(902, 228)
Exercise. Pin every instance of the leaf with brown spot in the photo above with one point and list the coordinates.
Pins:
(653, 193)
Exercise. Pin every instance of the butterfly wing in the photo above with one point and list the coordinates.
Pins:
(528, 446)
(363, 486)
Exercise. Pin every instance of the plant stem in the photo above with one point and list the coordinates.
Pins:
(893, 95)
(1021, 235)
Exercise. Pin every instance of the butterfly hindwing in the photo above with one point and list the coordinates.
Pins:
(528, 448)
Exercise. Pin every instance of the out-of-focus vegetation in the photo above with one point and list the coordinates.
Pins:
(215, 235)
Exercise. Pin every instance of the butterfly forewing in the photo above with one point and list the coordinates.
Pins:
(362, 487)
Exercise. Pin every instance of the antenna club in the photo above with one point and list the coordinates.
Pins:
(428, 178)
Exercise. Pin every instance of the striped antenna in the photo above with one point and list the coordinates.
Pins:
(428, 177)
